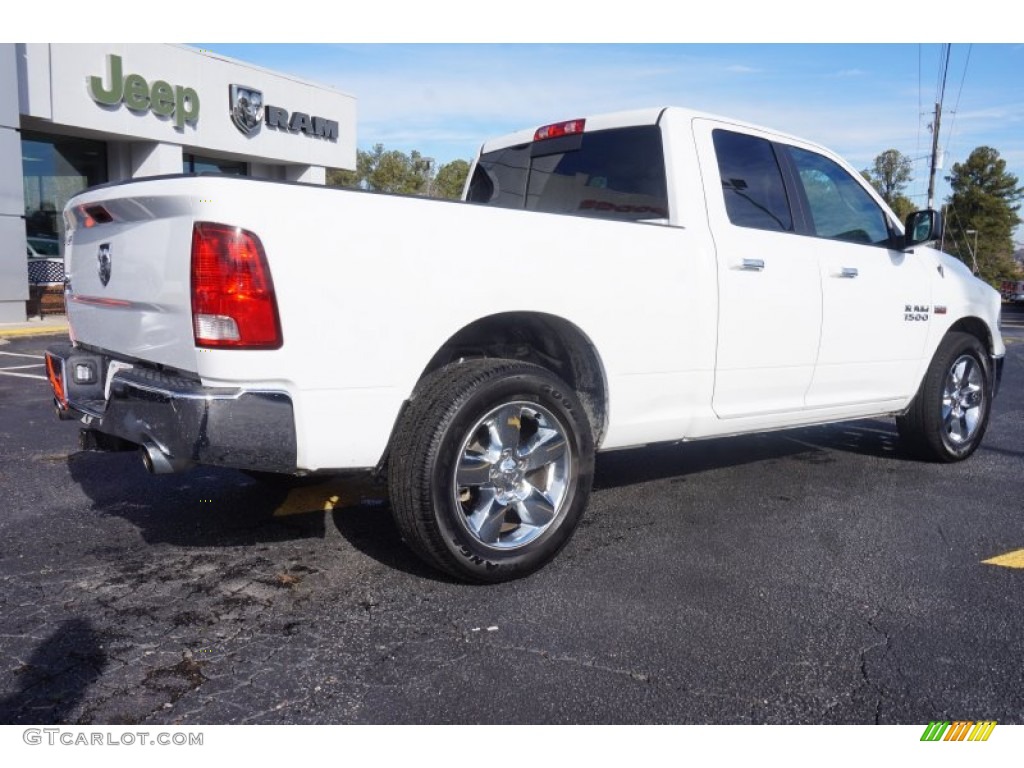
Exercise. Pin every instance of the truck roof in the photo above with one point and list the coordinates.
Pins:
(647, 116)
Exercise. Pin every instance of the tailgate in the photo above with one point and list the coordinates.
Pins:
(127, 262)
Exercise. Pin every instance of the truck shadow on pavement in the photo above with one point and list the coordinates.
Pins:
(812, 445)
(1001, 451)
(209, 507)
(56, 676)
(212, 508)
(201, 508)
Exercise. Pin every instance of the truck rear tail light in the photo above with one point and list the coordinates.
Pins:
(87, 216)
(55, 374)
(233, 301)
(97, 214)
(555, 130)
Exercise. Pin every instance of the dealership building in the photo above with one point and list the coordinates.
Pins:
(76, 115)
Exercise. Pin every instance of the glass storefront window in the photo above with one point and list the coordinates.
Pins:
(199, 164)
(55, 168)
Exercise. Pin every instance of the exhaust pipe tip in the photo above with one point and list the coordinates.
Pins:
(147, 460)
(63, 412)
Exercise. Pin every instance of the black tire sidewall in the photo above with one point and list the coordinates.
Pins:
(470, 556)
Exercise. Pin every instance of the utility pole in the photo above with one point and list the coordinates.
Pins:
(935, 128)
(428, 164)
(935, 154)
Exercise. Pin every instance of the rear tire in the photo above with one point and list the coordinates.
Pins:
(491, 469)
(948, 417)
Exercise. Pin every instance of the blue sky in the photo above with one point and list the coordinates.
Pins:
(503, 67)
(858, 99)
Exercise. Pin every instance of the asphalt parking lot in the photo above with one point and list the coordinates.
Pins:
(811, 576)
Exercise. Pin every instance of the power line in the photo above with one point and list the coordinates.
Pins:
(959, 93)
(921, 108)
(967, 243)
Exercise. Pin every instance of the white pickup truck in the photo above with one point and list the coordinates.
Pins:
(614, 281)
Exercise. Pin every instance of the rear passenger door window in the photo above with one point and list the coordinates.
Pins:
(755, 195)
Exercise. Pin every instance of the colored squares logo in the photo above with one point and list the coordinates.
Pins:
(958, 730)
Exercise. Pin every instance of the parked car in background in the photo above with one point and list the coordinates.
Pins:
(43, 247)
(1012, 289)
(45, 276)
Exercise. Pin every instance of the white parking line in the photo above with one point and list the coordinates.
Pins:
(17, 370)
(6, 372)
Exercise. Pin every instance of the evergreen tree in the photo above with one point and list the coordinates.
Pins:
(985, 198)
(393, 171)
(450, 179)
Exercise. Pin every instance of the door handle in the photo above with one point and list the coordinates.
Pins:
(752, 265)
(848, 272)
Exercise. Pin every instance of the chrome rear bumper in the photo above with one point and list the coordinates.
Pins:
(176, 420)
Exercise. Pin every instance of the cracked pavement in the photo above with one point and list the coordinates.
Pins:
(813, 576)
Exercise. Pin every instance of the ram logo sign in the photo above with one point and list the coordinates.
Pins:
(248, 113)
(246, 106)
(300, 122)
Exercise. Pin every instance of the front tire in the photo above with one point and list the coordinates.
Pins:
(948, 417)
(491, 469)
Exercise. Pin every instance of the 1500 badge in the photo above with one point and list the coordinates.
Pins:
(915, 313)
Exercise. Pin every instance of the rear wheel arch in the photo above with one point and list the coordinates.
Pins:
(546, 340)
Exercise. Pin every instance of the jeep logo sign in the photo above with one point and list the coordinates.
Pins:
(247, 112)
(163, 99)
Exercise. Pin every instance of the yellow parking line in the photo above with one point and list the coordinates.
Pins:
(331, 494)
(49, 330)
(1013, 559)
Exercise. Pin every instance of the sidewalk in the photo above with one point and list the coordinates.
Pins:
(50, 325)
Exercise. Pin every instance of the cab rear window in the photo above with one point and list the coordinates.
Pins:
(614, 174)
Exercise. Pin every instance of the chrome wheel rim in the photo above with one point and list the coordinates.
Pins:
(512, 477)
(963, 400)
